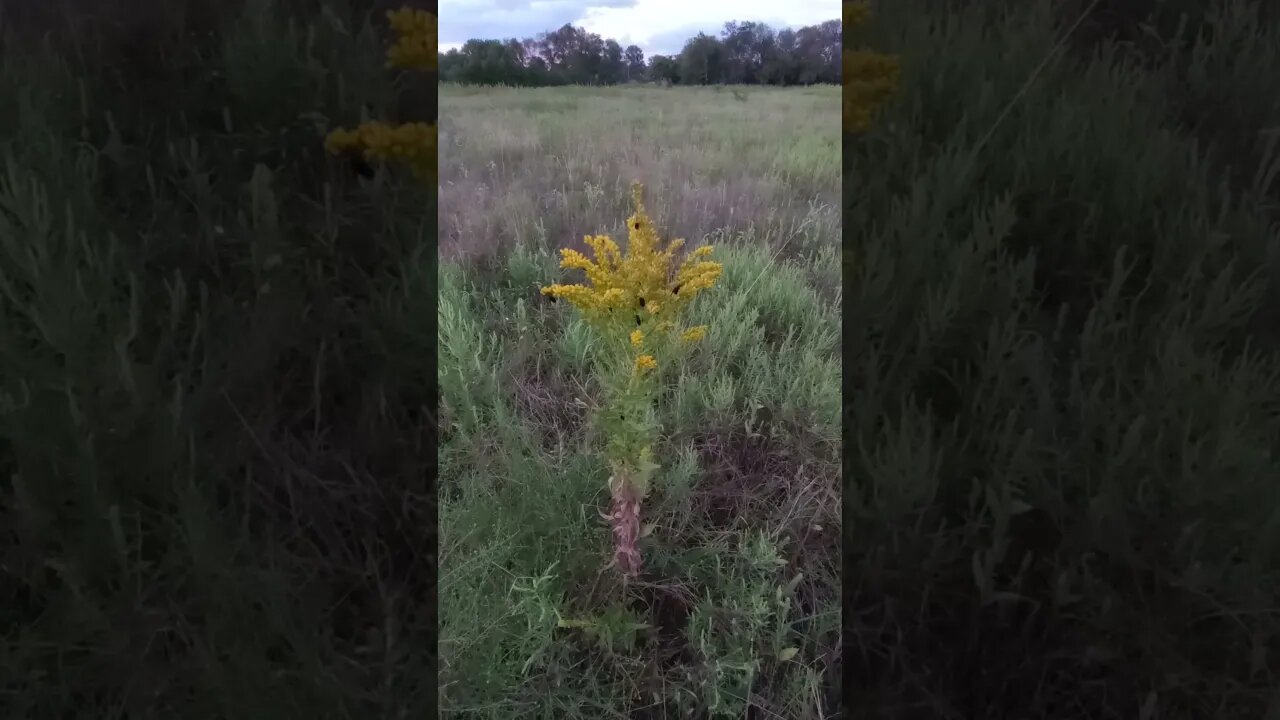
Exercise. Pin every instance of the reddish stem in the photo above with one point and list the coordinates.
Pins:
(625, 520)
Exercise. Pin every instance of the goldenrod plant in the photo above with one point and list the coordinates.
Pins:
(869, 77)
(634, 302)
(413, 143)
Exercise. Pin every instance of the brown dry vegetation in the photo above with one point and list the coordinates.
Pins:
(551, 164)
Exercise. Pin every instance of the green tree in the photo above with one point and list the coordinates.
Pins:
(745, 52)
(613, 68)
(634, 58)
(746, 45)
(702, 61)
(817, 53)
(489, 62)
(664, 69)
(779, 65)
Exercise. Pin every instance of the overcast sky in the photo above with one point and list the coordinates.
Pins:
(657, 26)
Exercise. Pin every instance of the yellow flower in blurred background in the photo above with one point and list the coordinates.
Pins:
(416, 39)
(412, 143)
(869, 78)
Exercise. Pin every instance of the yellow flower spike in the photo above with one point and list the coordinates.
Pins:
(637, 339)
(606, 250)
(573, 260)
(696, 276)
(577, 295)
(694, 334)
(644, 363)
(647, 276)
(614, 297)
(597, 272)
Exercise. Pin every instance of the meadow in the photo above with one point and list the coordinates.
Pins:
(737, 609)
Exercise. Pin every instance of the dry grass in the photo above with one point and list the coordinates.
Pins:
(551, 164)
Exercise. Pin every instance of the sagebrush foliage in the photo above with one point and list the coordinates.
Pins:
(216, 483)
(1067, 370)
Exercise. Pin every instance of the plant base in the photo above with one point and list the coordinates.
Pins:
(625, 521)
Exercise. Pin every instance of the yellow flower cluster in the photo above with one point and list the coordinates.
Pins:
(414, 143)
(416, 39)
(868, 77)
(644, 289)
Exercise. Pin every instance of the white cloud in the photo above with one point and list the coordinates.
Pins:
(661, 26)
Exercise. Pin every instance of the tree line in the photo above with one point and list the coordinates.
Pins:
(743, 52)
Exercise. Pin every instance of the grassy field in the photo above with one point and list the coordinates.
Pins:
(738, 606)
(1063, 331)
